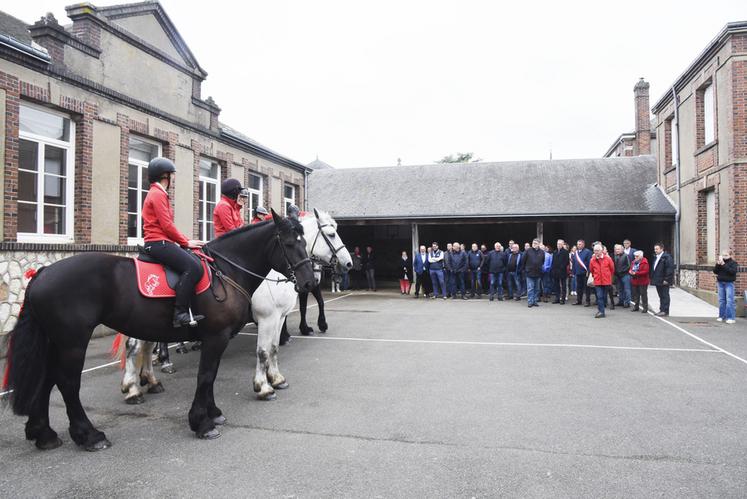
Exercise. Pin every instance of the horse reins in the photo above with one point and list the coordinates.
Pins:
(333, 261)
(223, 277)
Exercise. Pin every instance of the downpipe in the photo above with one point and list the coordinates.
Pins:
(679, 195)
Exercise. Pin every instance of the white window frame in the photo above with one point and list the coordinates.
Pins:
(143, 170)
(709, 118)
(203, 225)
(287, 200)
(41, 237)
(711, 222)
(258, 193)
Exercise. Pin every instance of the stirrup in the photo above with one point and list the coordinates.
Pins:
(186, 319)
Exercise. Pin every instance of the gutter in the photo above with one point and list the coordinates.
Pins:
(503, 216)
(40, 55)
(679, 194)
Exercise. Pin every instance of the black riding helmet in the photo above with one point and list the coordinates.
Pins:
(231, 188)
(158, 167)
(293, 211)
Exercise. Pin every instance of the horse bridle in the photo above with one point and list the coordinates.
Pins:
(333, 261)
(291, 267)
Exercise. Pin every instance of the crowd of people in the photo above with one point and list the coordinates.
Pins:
(556, 275)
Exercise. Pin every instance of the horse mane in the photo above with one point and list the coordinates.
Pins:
(286, 224)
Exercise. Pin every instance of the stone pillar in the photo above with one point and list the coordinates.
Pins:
(540, 230)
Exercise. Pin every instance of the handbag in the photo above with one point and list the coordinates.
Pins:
(590, 281)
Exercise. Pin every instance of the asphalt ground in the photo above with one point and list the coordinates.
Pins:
(426, 398)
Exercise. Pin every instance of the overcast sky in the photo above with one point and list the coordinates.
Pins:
(362, 84)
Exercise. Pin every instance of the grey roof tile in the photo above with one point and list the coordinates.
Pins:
(599, 186)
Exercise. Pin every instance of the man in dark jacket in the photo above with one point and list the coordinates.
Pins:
(662, 276)
(458, 269)
(475, 262)
(534, 258)
(421, 268)
(581, 272)
(622, 273)
(559, 271)
(514, 262)
(495, 264)
(448, 271)
(726, 269)
(369, 266)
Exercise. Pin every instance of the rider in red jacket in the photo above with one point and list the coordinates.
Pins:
(260, 215)
(227, 214)
(165, 243)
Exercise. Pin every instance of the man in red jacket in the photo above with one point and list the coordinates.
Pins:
(165, 243)
(227, 214)
(640, 281)
(602, 269)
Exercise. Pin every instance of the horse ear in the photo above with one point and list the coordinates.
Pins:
(316, 213)
(275, 217)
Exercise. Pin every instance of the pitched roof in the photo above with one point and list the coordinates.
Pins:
(264, 151)
(581, 187)
(14, 33)
(318, 164)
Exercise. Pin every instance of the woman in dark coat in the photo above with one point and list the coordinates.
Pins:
(405, 274)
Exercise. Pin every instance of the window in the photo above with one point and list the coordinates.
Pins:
(673, 142)
(710, 199)
(140, 153)
(255, 192)
(46, 160)
(709, 128)
(289, 196)
(209, 178)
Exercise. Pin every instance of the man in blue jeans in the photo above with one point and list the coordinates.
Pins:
(436, 270)
(534, 259)
(514, 262)
(458, 270)
(622, 273)
(495, 264)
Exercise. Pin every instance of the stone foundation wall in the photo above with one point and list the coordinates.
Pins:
(16, 259)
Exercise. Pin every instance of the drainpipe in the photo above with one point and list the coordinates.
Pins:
(305, 190)
(676, 129)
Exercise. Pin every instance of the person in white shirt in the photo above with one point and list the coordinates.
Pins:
(436, 270)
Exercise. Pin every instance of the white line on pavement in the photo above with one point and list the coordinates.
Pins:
(498, 343)
(696, 337)
(172, 346)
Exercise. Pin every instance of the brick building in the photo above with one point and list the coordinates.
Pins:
(85, 107)
(701, 126)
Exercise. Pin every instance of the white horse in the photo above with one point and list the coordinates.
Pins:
(271, 304)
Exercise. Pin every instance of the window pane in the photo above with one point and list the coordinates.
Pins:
(210, 230)
(132, 179)
(210, 208)
(54, 160)
(208, 168)
(54, 190)
(144, 185)
(255, 182)
(143, 195)
(132, 226)
(26, 217)
(28, 155)
(202, 191)
(132, 200)
(47, 124)
(201, 215)
(255, 202)
(289, 191)
(27, 186)
(211, 192)
(708, 116)
(141, 150)
(54, 220)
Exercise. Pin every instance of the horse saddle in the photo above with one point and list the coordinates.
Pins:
(155, 280)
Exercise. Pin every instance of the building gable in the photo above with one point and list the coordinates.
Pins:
(147, 28)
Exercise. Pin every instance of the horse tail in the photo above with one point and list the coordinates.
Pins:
(26, 365)
(118, 349)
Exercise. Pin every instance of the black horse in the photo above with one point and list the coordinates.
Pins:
(303, 327)
(65, 301)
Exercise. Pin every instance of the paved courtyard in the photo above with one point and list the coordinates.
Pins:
(426, 398)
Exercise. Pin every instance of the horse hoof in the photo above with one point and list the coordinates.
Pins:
(100, 445)
(137, 400)
(168, 369)
(323, 327)
(285, 341)
(268, 397)
(49, 445)
(209, 435)
(310, 332)
(219, 420)
(157, 388)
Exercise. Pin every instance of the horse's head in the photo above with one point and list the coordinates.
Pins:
(289, 256)
(323, 241)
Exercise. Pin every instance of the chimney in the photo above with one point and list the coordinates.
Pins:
(86, 25)
(642, 119)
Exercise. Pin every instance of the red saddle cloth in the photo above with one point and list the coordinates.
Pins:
(153, 282)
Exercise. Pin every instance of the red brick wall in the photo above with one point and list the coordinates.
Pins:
(10, 84)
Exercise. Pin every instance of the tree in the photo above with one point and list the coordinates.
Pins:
(460, 157)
